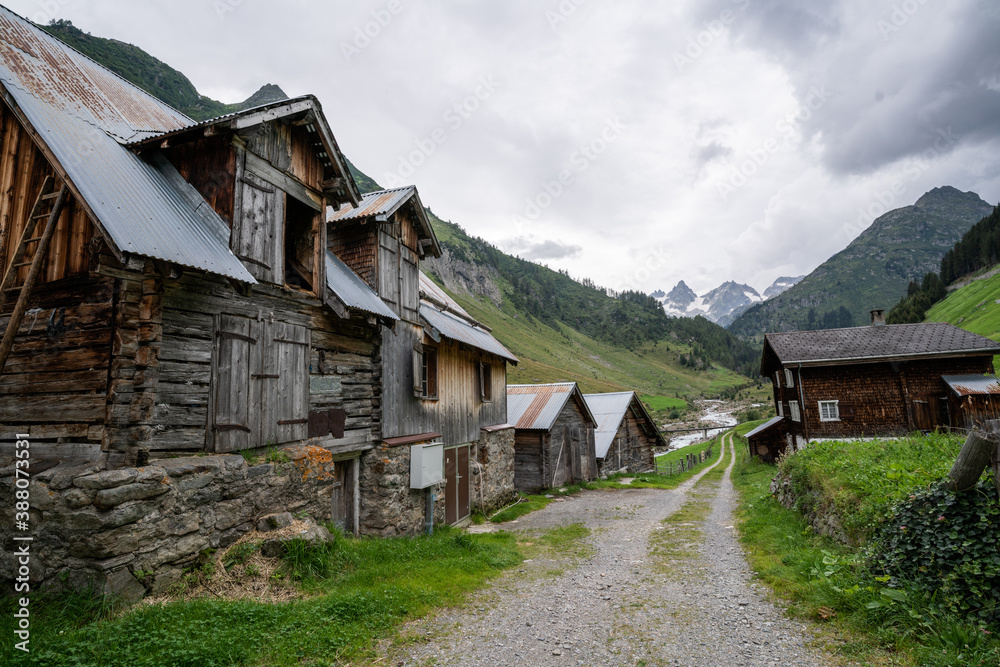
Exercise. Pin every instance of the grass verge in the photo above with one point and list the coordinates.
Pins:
(352, 596)
(859, 617)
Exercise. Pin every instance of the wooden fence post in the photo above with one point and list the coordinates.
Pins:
(977, 452)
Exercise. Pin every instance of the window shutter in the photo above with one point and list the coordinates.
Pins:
(418, 371)
(846, 411)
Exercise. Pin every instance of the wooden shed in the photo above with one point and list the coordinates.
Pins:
(444, 374)
(868, 381)
(973, 399)
(554, 435)
(625, 435)
(178, 294)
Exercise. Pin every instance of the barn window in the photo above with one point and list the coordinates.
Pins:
(829, 411)
(485, 382)
(789, 378)
(793, 411)
(299, 244)
(429, 373)
(780, 409)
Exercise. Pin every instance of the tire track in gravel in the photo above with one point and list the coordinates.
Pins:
(615, 607)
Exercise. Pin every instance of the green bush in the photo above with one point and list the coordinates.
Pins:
(945, 545)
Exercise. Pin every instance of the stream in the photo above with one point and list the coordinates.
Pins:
(715, 413)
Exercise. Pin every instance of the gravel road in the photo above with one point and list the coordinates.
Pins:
(621, 605)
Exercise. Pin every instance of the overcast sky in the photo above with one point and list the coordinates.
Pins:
(634, 143)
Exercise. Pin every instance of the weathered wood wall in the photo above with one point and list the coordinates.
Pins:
(457, 412)
(879, 398)
(528, 460)
(23, 168)
(632, 447)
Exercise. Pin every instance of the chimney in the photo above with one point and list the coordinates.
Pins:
(878, 318)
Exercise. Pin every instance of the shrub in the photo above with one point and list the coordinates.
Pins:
(945, 544)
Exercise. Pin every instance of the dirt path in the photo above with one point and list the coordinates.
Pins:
(688, 602)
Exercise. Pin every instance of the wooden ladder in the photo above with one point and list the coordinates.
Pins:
(47, 207)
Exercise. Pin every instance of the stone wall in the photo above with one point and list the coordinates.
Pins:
(99, 527)
(389, 506)
(493, 477)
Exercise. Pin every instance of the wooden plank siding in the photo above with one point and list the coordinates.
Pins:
(632, 447)
(528, 474)
(23, 168)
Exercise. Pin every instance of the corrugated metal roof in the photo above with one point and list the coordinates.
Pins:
(383, 202)
(463, 331)
(763, 427)
(352, 290)
(537, 406)
(876, 342)
(430, 290)
(62, 77)
(966, 385)
(81, 111)
(609, 410)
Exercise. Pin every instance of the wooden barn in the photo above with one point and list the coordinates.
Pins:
(554, 435)
(177, 294)
(444, 375)
(625, 435)
(865, 381)
(972, 399)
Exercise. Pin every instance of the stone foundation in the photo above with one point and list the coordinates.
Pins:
(493, 477)
(100, 527)
(389, 507)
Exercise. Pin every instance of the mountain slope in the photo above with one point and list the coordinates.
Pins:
(782, 284)
(875, 269)
(720, 305)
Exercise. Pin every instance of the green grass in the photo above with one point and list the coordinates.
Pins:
(828, 583)
(663, 403)
(973, 308)
(371, 587)
(859, 481)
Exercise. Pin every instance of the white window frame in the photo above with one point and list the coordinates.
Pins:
(789, 378)
(781, 409)
(827, 415)
(777, 379)
(793, 411)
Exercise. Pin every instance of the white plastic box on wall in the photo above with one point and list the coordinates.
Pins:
(426, 465)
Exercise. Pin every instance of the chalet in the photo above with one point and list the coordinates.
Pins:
(865, 381)
(625, 435)
(554, 435)
(171, 289)
(444, 376)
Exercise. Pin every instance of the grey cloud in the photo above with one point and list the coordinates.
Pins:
(711, 151)
(530, 249)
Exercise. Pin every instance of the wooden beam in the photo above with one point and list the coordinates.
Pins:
(263, 169)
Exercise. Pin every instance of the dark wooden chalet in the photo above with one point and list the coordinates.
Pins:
(864, 381)
(554, 435)
(178, 293)
(444, 375)
(625, 435)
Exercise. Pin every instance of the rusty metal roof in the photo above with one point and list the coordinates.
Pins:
(609, 410)
(967, 385)
(83, 113)
(382, 204)
(352, 290)
(463, 330)
(876, 343)
(537, 406)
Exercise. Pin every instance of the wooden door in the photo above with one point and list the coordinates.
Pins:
(456, 486)
(528, 461)
(236, 344)
(258, 226)
(289, 404)
(343, 495)
(923, 415)
(388, 271)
